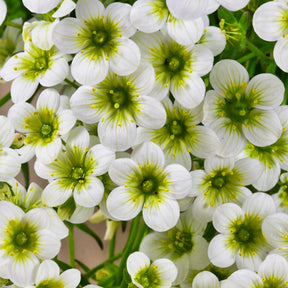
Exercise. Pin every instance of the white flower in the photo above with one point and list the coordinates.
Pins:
(233, 5)
(48, 275)
(43, 126)
(205, 279)
(158, 274)
(25, 240)
(273, 272)
(270, 24)
(181, 135)
(273, 157)
(10, 164)
(177, 68)
(239, 111)
(31, 67)
(38, 6)
(3, 11)
(74, 172)
(119, 104)
(100, 39)
(145, 183)
(222, 181)
(184, 245)
(240, 237)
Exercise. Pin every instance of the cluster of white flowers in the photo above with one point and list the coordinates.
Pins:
(138, 117)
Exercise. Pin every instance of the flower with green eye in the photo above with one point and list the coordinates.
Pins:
(178, 68)
(25, 240)
(146, 185)
(73, 174)
(118, 104)
(158, 274)
(238, 110)
(240, 237)
(181, 135)
(43, 126)
(100, 38)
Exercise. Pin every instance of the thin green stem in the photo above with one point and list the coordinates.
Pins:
(12, 24)
(246, 57)
(95, 269)
(71, 244)
(26, 173)
(74, 85)
(112, 246)
(5, 99)
(143, 230)
(257, 52)
(128, 247)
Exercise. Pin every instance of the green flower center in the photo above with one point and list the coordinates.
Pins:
(6, 193)
(119, 97)
(77, 173)
(218, 182)
(147, 277)
(21, 238)
(180, 241)
(41, 63)
(274, 283)
(176, 128)
(50, 284)
(100, 37)
(46, 130)
(149, 186)
(243, 235)
(174, 63)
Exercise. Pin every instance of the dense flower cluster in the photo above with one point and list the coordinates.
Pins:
(169, 114)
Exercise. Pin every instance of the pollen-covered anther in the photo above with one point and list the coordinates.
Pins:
(120, 124)
(166, 85)
(234, 127)
(244, 84)
(212, 203)
(93, 106)
(15, 68)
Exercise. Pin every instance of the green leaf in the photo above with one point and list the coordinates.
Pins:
(243, 22)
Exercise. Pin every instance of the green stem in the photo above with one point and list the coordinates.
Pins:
(246, 57)
(128, 247)
(71, 244)
(112, 246)
(143, 230)
(26, 174)
(5, 99)
(12, 24)
(95, 269)
(74, 85)
(257, 51)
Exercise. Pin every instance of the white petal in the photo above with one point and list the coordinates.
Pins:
(8, 71)
(26, 153)
(98, 159)
(228, 75)
(205, 279)
(215, 163)
(6, 131)
(197, 181)
(120, 13)
(79, 137)
(89, 68)
(225, 215)
(275, 227)
(48, 99)
(232, 141)
(48, 245)
(57, 226)
(81, 214)
(185, 10)
(267, 90)
(38, 218)
(160, 215)
(146, 17)
(90, 193)
(251, 261)
(66, 121)
(232, 6)
(10, 164)
(65, 8)
(23, 88)
(267, 21)
(38, 6)
(179, 180)
(190, 93)
(263, 128)
(125, 203)
(117, 131)
(121, 171)
(149, 153)
(65, 35)
(280, 54)
(219, 253)
(166, 269)
(56, 73)
(185, 32)
(259, 204)
(9, 211)
(56, 193)
(151, 113)
(48, 269)
(3, 9)
(22, 270)
(70, 278)
(245, 278)
(136, 262)
(47, 152)
(127, 58)
(89, 10)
